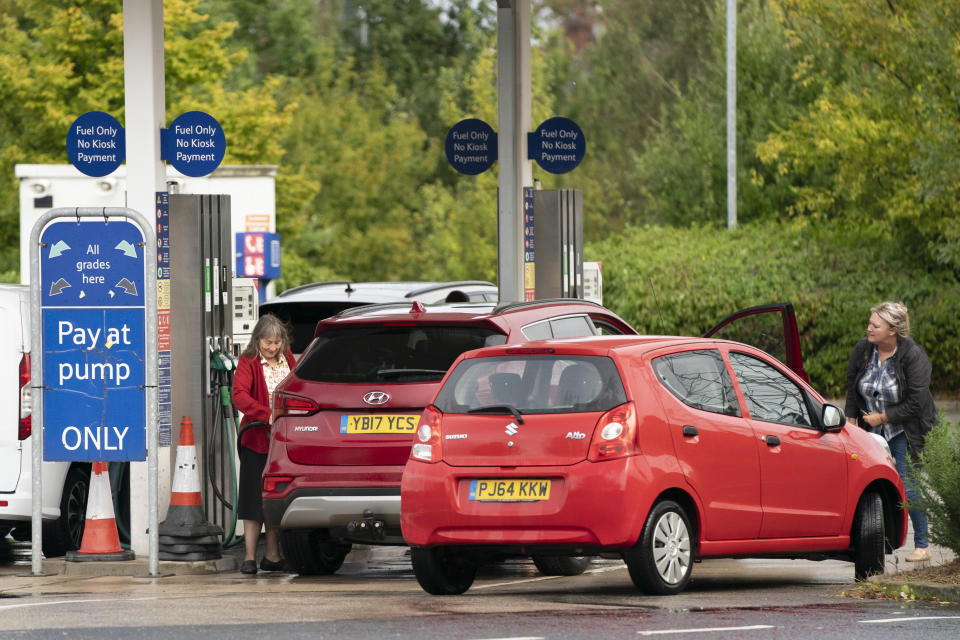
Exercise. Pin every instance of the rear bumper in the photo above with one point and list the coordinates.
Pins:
(313, 508)
(594, 505)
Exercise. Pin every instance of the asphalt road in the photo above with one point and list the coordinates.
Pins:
(379, 598)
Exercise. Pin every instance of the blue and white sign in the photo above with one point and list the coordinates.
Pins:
(194, 144)
(471, 146)
(93, 335)
(558, 145)
(96, 144)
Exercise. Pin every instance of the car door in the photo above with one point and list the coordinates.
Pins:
(802, 467)
(771, 328)
(715, 446)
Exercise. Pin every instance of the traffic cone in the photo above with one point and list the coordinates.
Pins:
(100, 538)
(186, 524)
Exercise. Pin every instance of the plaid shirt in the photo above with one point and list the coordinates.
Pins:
(878, 387)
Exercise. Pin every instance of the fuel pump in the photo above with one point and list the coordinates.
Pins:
(558, 243)
(201, 332)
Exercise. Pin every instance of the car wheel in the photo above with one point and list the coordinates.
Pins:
(310, 553)
(442, 571)
(662, 561)
(66, 532)
(868, 537)
(561, 565)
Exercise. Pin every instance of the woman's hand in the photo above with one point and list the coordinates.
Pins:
(875, 419)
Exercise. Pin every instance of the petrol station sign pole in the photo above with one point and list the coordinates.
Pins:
(94, 377)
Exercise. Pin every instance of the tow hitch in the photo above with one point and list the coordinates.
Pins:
(369, 527)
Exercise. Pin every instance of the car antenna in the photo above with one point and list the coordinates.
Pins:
(663, 326)
(349, 289)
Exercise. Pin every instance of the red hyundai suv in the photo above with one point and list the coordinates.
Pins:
(664, 450)
(344, 419)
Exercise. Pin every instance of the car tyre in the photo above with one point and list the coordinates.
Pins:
(868, 537)
(66, 532)
(310, 553)
(562, 565)
(442, 571)
(662, 562)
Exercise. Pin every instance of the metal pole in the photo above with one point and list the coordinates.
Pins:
(513, 123)
(731, 114)
(145, 115)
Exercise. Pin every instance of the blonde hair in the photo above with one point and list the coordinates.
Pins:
(894, 314)
(268, 326)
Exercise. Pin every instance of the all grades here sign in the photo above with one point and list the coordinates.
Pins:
(93, 335)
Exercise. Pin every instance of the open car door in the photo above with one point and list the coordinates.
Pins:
(770, 327)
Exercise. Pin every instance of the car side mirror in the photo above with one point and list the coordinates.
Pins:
(832, 418)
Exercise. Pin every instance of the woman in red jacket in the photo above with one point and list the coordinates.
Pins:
(264, 363)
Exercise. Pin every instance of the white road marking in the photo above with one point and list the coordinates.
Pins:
(915, 619)
(507, 584)
(704, 630)
(59, 602)
(518, 638)
(539, 578)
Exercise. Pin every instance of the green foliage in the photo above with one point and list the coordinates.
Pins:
(58, 61)
(938, 483)
(878, 145)
(683, 281)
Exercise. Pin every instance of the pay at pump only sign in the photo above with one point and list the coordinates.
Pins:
(93, 330)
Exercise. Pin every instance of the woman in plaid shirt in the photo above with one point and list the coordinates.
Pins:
(888, 392)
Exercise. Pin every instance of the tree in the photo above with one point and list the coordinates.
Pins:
(58, 62)
(878, 146)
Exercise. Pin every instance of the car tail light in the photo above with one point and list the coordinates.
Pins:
(287, 404)
(615, 435)
(26, 406)
(276, 484)
(427, 447)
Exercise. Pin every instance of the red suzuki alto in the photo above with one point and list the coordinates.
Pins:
(664, 450)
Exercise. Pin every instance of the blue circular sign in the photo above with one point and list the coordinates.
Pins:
(95, 144)
(195, 144)
(557, 145)
(471, 146)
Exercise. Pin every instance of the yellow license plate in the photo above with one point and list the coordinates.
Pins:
(525, 490)
(379, 423)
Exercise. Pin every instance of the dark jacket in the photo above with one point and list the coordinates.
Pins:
(915, 412)
(251, 398)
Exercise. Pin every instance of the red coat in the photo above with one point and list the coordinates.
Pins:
(250, 397)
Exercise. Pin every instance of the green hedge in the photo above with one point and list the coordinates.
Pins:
(682, 281)
(939, 484)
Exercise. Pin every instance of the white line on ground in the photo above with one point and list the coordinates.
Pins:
(58, 602)
(518, 638)
(704, 630)
(915, 619)
(507, 584)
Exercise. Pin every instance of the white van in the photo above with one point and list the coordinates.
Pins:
(64, 484)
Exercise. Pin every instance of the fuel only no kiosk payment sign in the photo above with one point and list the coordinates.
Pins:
(94, 346)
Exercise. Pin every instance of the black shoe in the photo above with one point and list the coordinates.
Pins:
(248, 566)
(270, 565)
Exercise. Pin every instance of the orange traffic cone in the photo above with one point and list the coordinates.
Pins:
(185, 534)
(100, 538)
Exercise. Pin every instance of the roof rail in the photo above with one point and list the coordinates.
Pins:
(511, 306)
(364, 308)
(313, 285)
(446, 285)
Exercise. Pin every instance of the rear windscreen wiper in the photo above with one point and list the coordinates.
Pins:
(498, 408)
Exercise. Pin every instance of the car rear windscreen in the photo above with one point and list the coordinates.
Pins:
(532, 384)
(378, 354)
(302, 317)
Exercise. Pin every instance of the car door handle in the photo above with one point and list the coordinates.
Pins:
(772, 441)
(689, 431)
